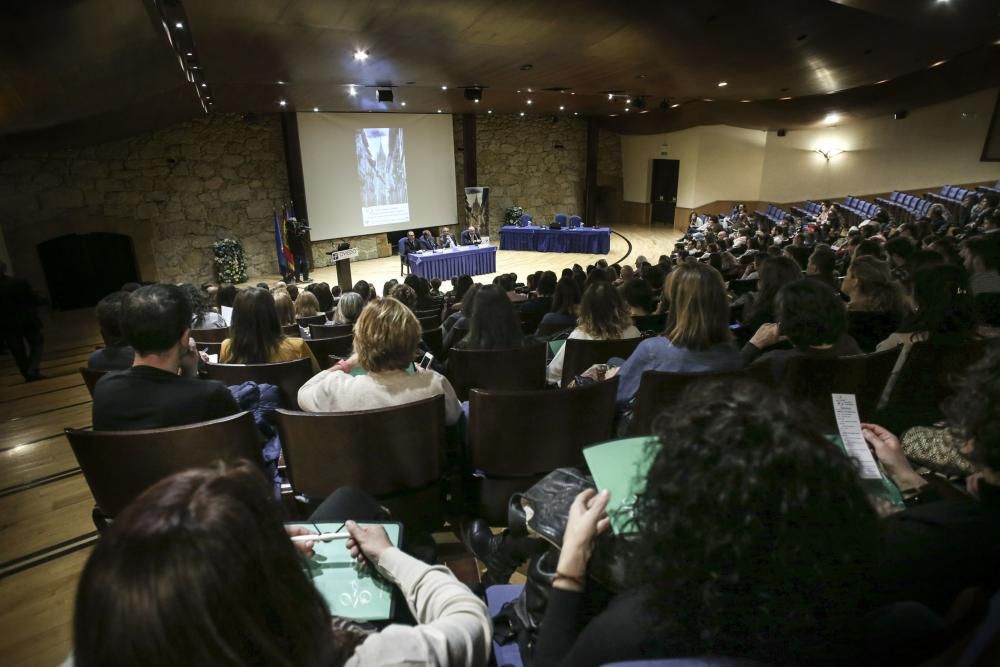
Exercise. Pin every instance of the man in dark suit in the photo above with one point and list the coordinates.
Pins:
(296, 233)
(161, 388)
(410, 245)
(447, 239)
(470, 237)
(427, 241)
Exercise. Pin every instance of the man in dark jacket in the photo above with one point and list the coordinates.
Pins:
(296, 233)
(20, 327)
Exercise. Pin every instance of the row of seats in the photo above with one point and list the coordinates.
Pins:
(906, 207)
(773, 213)
(811, 208)
(858, 207)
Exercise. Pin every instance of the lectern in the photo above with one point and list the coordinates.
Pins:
(342, 258)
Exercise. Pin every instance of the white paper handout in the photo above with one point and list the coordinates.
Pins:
(845, 409)
(227, 314)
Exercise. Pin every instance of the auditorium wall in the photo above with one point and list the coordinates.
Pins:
(537, 164)
(934, 145)
(175, 191)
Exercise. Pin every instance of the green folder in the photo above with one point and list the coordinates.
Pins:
(621, 466)
(349, 590)
(554, 345)
(884, 488)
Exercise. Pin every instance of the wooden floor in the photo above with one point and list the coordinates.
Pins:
(46, 531)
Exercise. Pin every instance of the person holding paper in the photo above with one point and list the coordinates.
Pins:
(255, 334)
(199, 570)
(754, 540)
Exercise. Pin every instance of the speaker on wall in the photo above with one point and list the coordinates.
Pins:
(384, 94)
(782, 132)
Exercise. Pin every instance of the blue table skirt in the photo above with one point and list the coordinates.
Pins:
(445, 264)
(588, 240)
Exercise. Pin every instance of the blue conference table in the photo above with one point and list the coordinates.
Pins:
(445, 264)
(590, 240)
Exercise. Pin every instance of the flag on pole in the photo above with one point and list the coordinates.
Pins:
(289, 257)
(279, 240)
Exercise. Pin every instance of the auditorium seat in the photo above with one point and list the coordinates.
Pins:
(317, 331)
(323, 348)
(395, 454)
(561, 219)
(291, 330)
(526, 220)
(582, 354)
(659, 390)
(210, 348)
(575, 221)
(988, 308)
(650, 323)
(119, 465)
(209, 335)
(430, 322)
(90, 378)
(520, 368)
(812, 381)
(311, 320)
(288, 376)
(403, 264)
(433, 340)
(517, 437)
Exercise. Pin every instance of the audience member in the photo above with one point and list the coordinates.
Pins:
(822, 266)
(255, 334)
(116, 355)
(381, 372)
(202, 317)
(199, 570)
(307, 305)
(324, 297)
(697, 338)
(775, 273)
(533, 310)
(981, 255)
(494, 324)
(877, 305)
(161, 388)
(457, 324)
(285, 308)
(707, 574)
(562, 316)
(20, 326)
(603, 315)
(348, 308)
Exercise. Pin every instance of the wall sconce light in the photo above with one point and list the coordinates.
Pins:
(829, 153)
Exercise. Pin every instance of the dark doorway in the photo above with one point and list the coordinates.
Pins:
(663, 192)
(80, 269)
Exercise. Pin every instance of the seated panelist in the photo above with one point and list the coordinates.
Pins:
(426, 241)
(447, 239)
(470, 237)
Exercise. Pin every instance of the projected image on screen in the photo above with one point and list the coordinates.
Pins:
(382, 174)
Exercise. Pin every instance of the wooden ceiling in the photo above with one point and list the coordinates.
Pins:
(101, 68)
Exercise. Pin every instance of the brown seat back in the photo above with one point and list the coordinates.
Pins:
(434, 340)
(312, 319)
(659, 390)
(291, 330)
(582, 354)
(289, 376)
(395, 454)
(430, 322)
(209, 335)
(814, 380)
(90, 378)
(516, 437)
(120, 465)
(520, 368)
(322, 348)
(318, 331)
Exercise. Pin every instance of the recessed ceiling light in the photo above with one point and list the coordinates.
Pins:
(195, 67)
(572, 93)
(476, 101)
(628, 101)
(529, 90)
(190, 55)
(627, 109)
(522, 113)
(204, 85)
(996, 42)
(562, 108)
(938, 63)
(281, 83)
(675, 105)
(831, 118)
(403, 104)
(881, 82)
(611, 96)
(282, 103)
(490, 111)
(644, 111)
(784, 99)
(575, 113)
(519, 92)
(723, 84)
(361, 55)
(179, 25)
(315, 108)
(612, 115)
(444, 87)
(529, 101)
(745, 101)
(439, 111)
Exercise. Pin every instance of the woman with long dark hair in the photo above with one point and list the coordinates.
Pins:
(199, 570)
(731, 554)
(457, 325)
(774, 273)
(255, 334)
(494, 324)
(565, 303)
(877, 305)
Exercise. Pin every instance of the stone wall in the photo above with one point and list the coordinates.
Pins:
(535, 163)
(177, 189)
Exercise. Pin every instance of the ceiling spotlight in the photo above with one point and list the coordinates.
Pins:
(707, 99)
(439, 111)
(402, 104)
(519, 92)
(831, 119)
(627, 109)
(881, 82)
(190, 55)
(939, 63)
(529, 101)
(529, 90)
(562, 108)
(996, 42)
(784, 99)
(611, 96)
(204, 85)
(723, 84)
(352, 91)
(179, 25)
(744, 101)
(628, 101)
(195, 67)
(282, 103)
(281, 83)
(490, 111)
(675, 105)
(315, 108)
(444, 87)
(612, 115)
(522, 113)
(361, 55)
(576, 113)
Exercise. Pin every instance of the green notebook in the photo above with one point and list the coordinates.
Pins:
(621, 466)
(350, 591)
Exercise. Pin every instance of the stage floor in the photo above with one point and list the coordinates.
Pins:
(649, 241)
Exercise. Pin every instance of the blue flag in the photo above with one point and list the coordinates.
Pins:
(280, 243)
